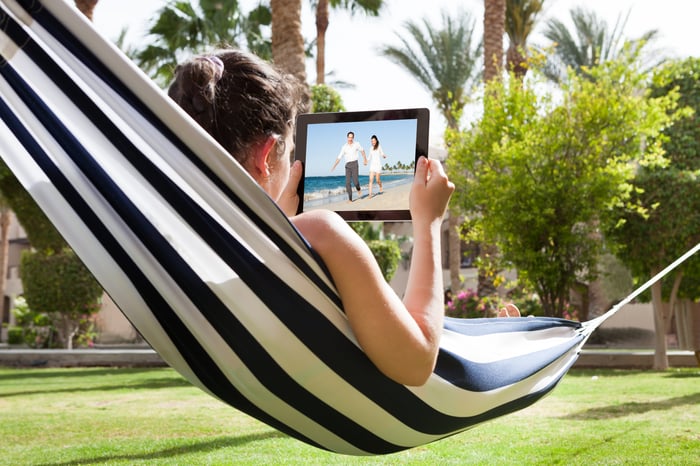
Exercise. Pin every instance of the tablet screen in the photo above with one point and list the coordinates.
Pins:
(374, 151)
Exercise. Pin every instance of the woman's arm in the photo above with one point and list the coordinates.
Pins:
(401, 338)
(424, 297)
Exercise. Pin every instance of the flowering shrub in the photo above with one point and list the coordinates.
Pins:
(37, 329)
(467, 304)
(34, 328)
(87, 333)
(525, 298)
(570, 312)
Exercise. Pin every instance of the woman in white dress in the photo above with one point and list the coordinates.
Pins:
(375, 163)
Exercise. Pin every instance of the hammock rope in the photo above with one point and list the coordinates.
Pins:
(211, 272)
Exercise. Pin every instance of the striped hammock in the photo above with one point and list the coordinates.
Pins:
(212, 273)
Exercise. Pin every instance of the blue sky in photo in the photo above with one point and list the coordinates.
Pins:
(324, 141)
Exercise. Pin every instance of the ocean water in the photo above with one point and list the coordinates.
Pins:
(319, 190)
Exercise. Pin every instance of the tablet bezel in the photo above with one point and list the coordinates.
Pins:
(420, 115)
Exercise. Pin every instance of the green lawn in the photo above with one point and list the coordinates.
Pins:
(153, 416)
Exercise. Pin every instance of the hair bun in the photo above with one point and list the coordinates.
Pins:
(194, 87)
(217, 64)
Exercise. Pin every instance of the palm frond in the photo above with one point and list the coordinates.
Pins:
(443, 60)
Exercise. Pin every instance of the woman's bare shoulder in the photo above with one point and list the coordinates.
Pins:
(326, 231)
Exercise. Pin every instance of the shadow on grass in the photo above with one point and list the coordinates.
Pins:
(587, 448)
(173, 452)
(626, 409)
(684, 375)
(147, 384)
(34, 373)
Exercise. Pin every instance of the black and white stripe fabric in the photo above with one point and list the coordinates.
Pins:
(209, 270)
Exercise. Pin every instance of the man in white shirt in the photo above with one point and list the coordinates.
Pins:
(352, 166)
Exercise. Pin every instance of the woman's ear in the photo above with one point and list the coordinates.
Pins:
(261, 160)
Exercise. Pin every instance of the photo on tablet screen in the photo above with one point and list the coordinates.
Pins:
(331, 147)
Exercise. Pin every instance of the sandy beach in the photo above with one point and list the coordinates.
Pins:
(393, 197)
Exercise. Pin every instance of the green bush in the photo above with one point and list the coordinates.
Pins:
(40, 231)
(15, 335)
(388, 254)
(21, 312)
(386, 250)
(59, 285)
(36, 328)
(325, 99)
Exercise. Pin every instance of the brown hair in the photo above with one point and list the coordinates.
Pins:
(240, 105)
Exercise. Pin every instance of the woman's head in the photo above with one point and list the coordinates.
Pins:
(374, 141)
(241, 100)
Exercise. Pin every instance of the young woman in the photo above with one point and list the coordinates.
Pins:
(249, 108)
(376, 154)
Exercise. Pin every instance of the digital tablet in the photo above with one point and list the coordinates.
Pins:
(331, 147)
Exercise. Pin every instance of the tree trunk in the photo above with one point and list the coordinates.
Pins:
(455, 249)
(672, 300)
(660, 353)
(67, 327)
(287, 41)
(87, 7)
(5, 217)
(516, 61)
(322, 16)
(494, 29)
(584, 294)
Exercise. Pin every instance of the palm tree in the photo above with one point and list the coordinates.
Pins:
(370, 7)
(444, 61)
(184, 27)
(494, 28)
(521, 16)
(287, 42)
(516, 18)
(590, 44)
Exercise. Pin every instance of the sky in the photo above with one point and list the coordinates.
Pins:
(352, 42)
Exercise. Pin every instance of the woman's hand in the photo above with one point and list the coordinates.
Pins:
(289, 199)
(430, 192)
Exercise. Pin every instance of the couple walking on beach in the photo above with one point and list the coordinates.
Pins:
(350, 151)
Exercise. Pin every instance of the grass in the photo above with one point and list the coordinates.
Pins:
(153, 416)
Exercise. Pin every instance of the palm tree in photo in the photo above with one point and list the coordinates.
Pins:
(446, 62)
(369, 7)
(521, 17)
(590, 43)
